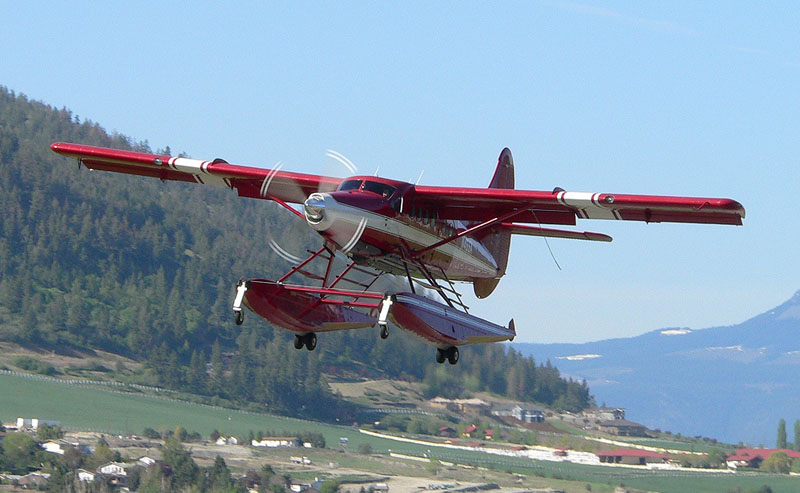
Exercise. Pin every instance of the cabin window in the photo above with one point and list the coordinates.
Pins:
(381, 189)
(350, 185)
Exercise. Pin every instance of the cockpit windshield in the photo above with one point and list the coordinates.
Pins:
(381, 189)
(350, 185)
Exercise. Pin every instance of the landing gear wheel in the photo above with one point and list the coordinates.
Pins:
(452, 355)
(311, 341)
(440, 356)
(298, 341)
(384, 331)
(238, 317)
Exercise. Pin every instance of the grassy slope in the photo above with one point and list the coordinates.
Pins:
(91, 408)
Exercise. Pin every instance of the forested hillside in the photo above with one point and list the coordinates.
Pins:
(148, 269)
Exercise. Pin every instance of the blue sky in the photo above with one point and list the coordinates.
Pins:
(670, 98)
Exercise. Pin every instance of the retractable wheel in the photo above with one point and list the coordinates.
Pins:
(238, 316)
(440, 356)
(298, 341)
(452, 355)
(311, 341)
(384, 331)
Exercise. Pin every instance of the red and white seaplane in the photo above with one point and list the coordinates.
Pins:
(433, 236)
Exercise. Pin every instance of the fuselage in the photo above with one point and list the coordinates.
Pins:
(370, 220)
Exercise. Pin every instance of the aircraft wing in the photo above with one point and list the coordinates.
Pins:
(470, 204)
(562, 207)
(249, 182)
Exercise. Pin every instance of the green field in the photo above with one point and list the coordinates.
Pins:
(701, 447)
(94, 408)
(89, 407)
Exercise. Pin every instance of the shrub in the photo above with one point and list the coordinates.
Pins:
(151, 433)
(32, 364)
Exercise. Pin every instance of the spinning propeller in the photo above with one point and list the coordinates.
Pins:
(313, 209)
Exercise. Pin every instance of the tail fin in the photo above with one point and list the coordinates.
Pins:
(498, 243)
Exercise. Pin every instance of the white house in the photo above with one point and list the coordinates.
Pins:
(146, 461)
(55, 446)
(113, 469)
(526, 414)
(86, 476)
(227, 441)
(273, 442)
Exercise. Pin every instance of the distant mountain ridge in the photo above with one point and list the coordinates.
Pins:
(732, 383)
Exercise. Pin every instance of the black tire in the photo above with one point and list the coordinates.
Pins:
(311, 341)
(452, 355)
(299, 341)
(384, 331)
(238, 317)
(440, 356)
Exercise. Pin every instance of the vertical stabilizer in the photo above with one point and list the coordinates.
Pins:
(498, 243)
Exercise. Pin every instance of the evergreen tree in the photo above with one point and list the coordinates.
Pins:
(196, 376)
(220, 475)
(797, 435)
(184, 470)
(781, 442)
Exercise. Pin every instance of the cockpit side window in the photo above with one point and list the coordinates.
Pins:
(350, 185)
(381, 189)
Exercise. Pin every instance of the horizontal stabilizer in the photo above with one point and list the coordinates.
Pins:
(524, 229)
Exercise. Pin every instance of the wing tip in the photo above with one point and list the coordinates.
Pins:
(599, 237)
(739, 209)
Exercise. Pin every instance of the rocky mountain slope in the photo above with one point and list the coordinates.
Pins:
(732, 383)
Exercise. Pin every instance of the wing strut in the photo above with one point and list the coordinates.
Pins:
(432, 282)
(302, 264)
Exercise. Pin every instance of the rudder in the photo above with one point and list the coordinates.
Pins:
(498, 243)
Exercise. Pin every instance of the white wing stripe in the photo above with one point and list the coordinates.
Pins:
(587, 205)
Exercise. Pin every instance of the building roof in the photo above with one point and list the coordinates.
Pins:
(465, 402)
(620, 422)
(630, 452)
(748, 454)
(471, 428)
(112, 464)
(57, 441)
(527, 408)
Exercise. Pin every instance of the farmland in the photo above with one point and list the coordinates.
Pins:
(102, 409)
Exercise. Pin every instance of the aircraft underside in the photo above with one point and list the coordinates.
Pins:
(307, 310)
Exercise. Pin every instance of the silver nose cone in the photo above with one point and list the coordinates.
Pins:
(314, 207)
